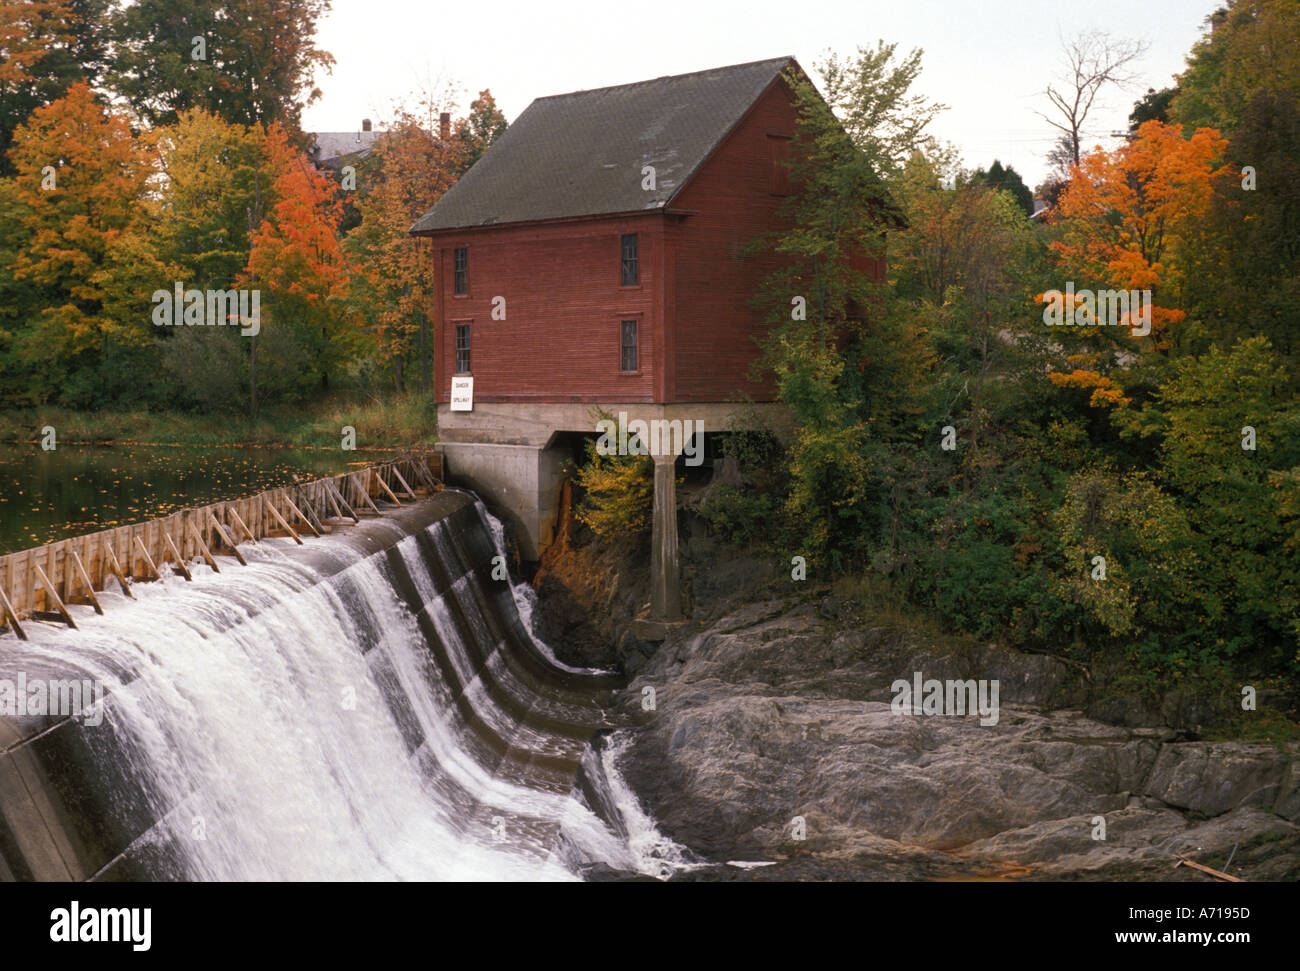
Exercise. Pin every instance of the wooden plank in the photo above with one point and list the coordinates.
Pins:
(117, 570)
(280, 519)
(148, 560)
(85, 579)
(58, 604)
(87, 560)
(1219, 874)
(11, 616)
(366, 495)
(422, 468)
(333, 491)
(299, 513)
(239, 522)
(384, 485)
(397, 472)
(226, 538)
(203, 547)
(180, 560)
(310, 499)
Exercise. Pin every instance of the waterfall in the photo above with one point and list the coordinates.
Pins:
(371, 706)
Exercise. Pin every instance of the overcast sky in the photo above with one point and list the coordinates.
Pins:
(988, 61)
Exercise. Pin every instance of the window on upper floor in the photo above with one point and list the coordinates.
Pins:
(631, 270)
(460, 260)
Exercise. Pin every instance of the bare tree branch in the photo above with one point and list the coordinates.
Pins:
(1092, 61)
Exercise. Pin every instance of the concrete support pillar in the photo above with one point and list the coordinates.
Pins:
(665, 571)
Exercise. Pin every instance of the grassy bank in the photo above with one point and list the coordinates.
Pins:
(398, 421)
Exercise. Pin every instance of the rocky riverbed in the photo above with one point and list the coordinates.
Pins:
(774, 712)
(774, 702)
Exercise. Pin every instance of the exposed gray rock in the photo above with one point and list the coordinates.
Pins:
(772, 715)
(1211, 778)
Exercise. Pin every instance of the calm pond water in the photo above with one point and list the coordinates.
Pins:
(46, 496)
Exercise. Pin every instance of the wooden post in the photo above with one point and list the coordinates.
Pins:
(334, 491)
(148, 560)
(280, 519)
(234, 512)
(422, 467)
(338, 513)
(409, 491)
(117, 569)
(203, 547)
(85, 579)
(9, 612)
(309, 503)
(298, 512)
(67, 617)
(180, 560)
(226, 538)
(384, 485)
(365, 494)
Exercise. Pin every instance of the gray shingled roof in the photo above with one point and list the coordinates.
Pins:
(331, 145)
(581, 154)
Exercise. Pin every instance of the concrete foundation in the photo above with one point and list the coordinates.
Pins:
(520, 482)
(510, 454)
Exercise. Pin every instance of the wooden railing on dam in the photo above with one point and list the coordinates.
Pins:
(41, 581)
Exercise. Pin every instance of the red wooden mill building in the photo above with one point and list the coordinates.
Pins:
(594, 256)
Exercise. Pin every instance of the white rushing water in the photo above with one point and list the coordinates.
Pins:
(290, 721)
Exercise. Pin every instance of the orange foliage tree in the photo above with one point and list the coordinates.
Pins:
(1125, 218)
(80, 206)
(297, 262)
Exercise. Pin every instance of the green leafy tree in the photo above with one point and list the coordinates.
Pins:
(474, 133)
(826, 290)
(1249, 46)
(1249, 588)
(1007, 180)
(216, 180)
(256, 65)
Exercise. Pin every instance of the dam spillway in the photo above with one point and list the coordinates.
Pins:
(369, 706)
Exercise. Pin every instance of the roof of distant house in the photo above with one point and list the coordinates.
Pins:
(329, 146)
(583, 154)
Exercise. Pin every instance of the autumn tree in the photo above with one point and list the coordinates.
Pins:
(1126, 218)
(45, 46)
(215, 179)
(410, 168)
(81, 218)
(298, 263)
(964, 268)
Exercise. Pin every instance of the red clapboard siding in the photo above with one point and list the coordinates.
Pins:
(564, 302)
(697, 329)
(732, 195)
